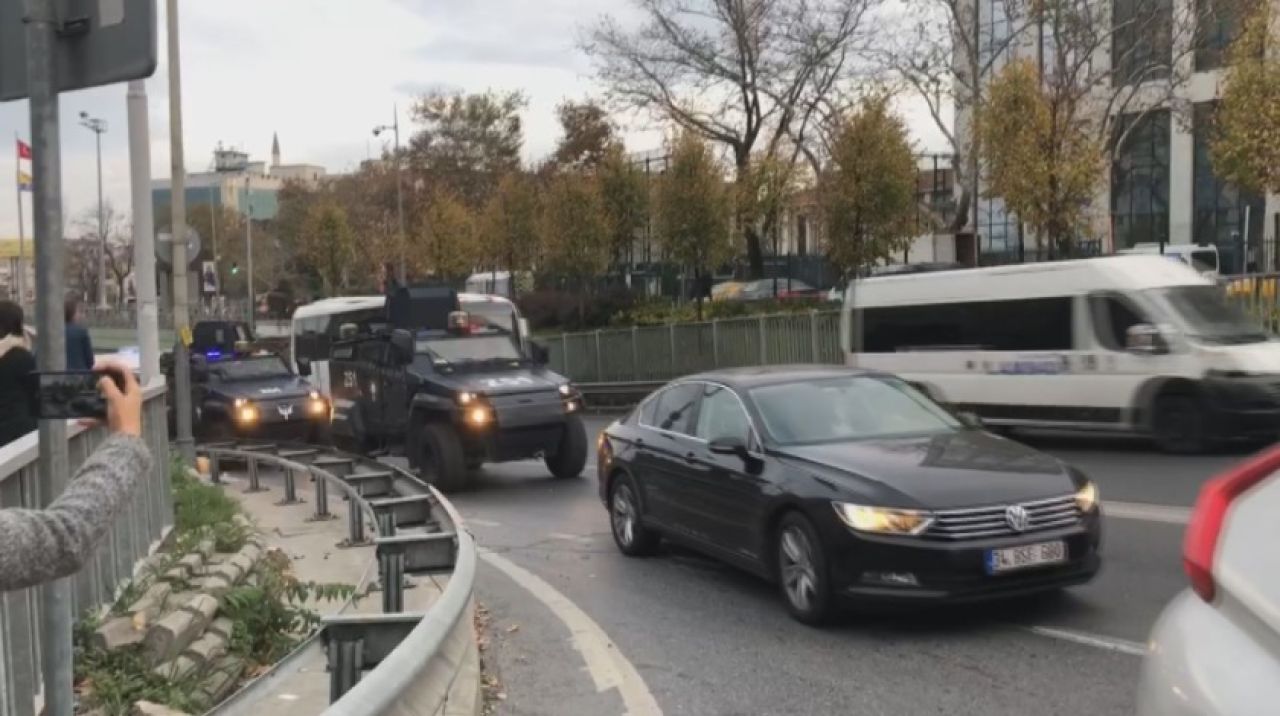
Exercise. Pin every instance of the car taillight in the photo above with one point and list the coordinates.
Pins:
(1211, 512)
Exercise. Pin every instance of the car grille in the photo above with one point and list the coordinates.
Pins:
(981, 522)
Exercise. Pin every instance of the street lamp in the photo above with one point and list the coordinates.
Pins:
(98, 126)
(395, 128)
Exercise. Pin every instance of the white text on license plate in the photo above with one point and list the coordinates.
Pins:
(1027, 555)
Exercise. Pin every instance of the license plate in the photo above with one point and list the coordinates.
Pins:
(1027, 555)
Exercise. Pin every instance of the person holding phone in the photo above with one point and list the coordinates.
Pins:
(38, 546)
(17, 389)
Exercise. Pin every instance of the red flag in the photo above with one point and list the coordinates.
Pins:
(24, 150)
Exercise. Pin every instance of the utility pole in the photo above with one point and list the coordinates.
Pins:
(144, 235)
(53, 466)
(395, 128)
(248, 242)
(215, 205)
(178, 177)
(98, 127)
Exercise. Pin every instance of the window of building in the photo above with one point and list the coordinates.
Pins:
(1142, 40)
(1140, 180)
(1033, 324)
(1217, 23)
(1220, 207)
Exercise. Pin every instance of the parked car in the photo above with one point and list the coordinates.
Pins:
(1215, 650)
(763, 289)
(842, 484)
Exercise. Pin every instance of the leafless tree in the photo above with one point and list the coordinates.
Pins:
(119, 250)
(749, 75)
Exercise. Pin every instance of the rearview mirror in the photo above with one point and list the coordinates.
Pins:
(730, 445)
(304, 367)
(1145, 339)
(538, 353)
(402, 344)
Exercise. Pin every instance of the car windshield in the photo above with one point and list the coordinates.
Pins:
(847, 408)
(1204, 260)
(259, 368)
(1205, 314)
(496, 347)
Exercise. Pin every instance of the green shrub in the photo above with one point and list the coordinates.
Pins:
(662, 312)
(197, 505)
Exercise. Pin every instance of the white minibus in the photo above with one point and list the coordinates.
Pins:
(1133, 343)
(316, 325)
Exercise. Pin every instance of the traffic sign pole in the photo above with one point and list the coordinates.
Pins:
(181, 327)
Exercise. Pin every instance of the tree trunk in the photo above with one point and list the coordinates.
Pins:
(750, 233)
(755, 256)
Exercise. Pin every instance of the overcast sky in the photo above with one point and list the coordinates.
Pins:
(323, 73)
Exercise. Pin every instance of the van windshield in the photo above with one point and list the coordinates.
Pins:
(1203, 261)
(1205, 314)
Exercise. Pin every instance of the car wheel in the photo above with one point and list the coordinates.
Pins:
(571, 455)
(629, 532)
(1177, 424)
(802, 570)
(440, 458)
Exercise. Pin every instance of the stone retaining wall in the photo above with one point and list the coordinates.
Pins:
(176, 621)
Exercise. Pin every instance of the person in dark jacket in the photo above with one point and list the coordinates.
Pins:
(79, 349)
(17, 385)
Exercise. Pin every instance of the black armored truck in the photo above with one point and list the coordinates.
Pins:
(453, 391)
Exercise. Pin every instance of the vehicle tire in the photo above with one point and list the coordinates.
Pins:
(802, 570)
(440, 458)
(571, 456)
(1177, 423)
(629, 533)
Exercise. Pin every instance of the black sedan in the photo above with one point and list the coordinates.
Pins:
(844, 485)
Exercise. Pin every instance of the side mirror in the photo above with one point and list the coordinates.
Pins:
(730, 445)
(402, 344)
(538, 353)
(1145, 339)
(971, 420)
(199, 368)
(304, 367)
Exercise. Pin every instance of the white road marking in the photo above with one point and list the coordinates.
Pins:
(608, 667)
(1146, 512)
(1124, 646)
(480, 522)
(569, 538)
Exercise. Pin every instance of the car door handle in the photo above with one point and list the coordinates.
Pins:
(690, 457)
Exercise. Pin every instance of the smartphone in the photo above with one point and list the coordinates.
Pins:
(68, 395)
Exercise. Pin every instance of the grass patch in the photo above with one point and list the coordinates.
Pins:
(197, 505)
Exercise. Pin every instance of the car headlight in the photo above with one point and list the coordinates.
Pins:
(241, 402)
(883, 520)
(566, 390)
(465, 398)
(317, 406)
(246, 412)
(480, 415)
(1087, 497)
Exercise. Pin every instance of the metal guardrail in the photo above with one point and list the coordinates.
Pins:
(137, 531)
(395, 662)
(660, 353)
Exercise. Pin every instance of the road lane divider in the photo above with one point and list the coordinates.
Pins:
(1097, 641)
(608, 667)
(1147, 512)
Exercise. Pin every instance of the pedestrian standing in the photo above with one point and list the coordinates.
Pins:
(79, 348)
(17, 385)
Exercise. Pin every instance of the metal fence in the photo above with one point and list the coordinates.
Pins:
(1259, 295)
(657, 353)
(136, 532)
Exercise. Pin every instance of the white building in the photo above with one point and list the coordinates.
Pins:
(1162, 186)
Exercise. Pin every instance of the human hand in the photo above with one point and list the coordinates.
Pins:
(124, 407)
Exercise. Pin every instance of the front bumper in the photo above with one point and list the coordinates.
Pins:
(869, 568)
(1243, 408)
(292, 430)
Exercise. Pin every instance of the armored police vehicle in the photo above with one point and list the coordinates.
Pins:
(453, 390)
(238, 392)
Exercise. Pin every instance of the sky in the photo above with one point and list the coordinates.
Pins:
(322, 74)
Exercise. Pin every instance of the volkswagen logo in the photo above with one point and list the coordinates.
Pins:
(286, 411)
(1017, 517)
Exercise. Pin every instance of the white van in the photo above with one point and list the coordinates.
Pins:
(316, 325)
(1125, 343)
(1201, 258)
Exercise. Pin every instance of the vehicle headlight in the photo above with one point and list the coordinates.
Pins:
(1087, 497)
(246, 412)
(241, 402)
(883, 520)
(317, 406)
(570, 406)
(566, 390)
(465, 398)
(480, 415)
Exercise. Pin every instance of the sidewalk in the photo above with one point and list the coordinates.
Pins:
(301, 687)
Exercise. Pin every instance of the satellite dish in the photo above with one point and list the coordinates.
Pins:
(164, 248)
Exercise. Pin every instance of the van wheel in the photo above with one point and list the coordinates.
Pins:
(1177, 424)
(440, 457)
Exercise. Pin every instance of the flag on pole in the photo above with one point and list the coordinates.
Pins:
(24, 181)
(24, 150)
